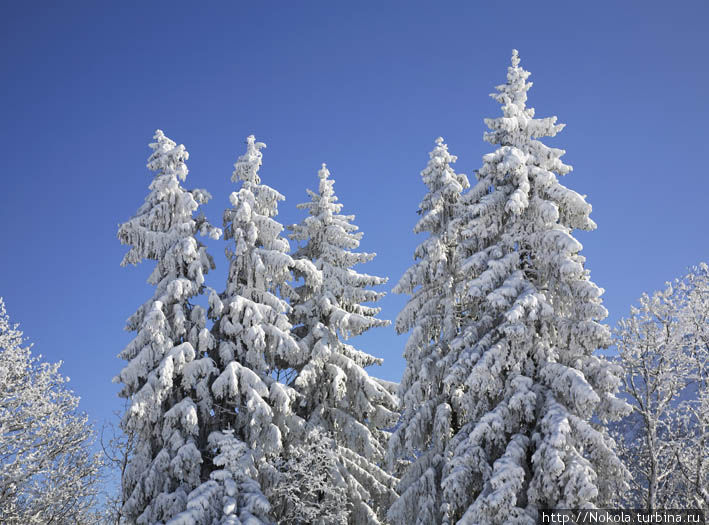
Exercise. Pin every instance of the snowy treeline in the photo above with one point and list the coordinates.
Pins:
(502, 392)
(260, 407)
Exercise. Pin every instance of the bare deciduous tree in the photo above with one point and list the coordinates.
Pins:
(48, 474)
(664, 349)
(117, 446)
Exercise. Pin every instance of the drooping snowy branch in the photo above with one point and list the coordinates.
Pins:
(230, 496)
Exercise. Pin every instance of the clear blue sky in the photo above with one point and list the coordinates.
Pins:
(363, 86)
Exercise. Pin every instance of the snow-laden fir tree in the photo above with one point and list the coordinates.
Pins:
(433, 314)
(167, 376)
(255, 345)
(527, 396)
(338, 395)
(531, 397)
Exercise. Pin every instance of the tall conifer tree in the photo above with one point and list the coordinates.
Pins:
(339, 396)
(527, 390)
(167, 371)
(527, 395)
(433, 316)
(255, 344)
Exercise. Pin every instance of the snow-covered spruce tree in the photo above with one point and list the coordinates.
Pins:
(255, 345)
(338, 395)
(433, 314)
(47, 471)
(167, 376)
(528, 397)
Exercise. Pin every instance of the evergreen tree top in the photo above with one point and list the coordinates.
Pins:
(253, 197)
(247, 165)
(167, 158)
(330, 236)
(325, 200)
(166, 215)
(513, 94)
(444, 185)
(518, 125)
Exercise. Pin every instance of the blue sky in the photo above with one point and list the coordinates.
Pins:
(365, 87)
